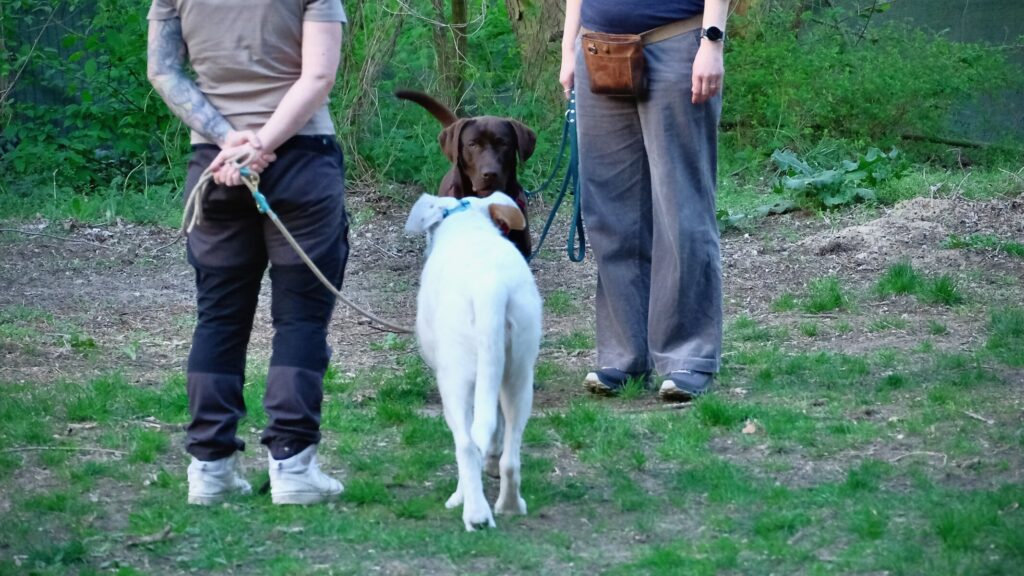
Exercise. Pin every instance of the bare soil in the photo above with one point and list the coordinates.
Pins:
(129, 289)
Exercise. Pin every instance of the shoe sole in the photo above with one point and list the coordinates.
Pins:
(212, 499)
(677, 395)
(593, 384)
(200, 500)
(302, 498)
(600, 389)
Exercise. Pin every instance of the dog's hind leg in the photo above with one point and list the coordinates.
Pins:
(489, 307)
(516, 401)
(456, 389)
(494, 448)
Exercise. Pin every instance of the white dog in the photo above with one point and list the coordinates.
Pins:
(478, 324)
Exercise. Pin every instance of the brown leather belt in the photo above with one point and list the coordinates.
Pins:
(670, 30)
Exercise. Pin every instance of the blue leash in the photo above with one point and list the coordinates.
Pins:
(572, 179)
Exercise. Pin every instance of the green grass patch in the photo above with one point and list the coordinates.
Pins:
(768, 498)
(944, 290)
(936, 328)
(575, 340)
(786, 302)
(985, 242)
(560, 303)
(1006, 335)
(825, 295)
(900, 278)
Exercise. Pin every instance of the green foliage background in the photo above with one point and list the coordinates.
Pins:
(111, 148)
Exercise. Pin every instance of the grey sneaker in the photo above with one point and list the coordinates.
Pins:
(210, 482)
(685, 385)
(298, 480)
(610, 381)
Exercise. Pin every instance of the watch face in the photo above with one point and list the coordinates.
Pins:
(713, 33)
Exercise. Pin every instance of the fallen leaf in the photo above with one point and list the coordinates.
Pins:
(164, 534)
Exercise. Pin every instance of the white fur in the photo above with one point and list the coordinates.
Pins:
(478, 323)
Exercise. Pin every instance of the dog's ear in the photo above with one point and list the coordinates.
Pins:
(504, 212)
(426, 213)
(526, 139)
(449, 139)
(506, 217)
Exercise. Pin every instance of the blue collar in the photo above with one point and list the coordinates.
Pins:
(463, 205)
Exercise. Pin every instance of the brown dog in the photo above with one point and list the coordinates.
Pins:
(483, 151)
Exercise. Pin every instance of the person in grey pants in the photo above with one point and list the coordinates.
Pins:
(648, 177)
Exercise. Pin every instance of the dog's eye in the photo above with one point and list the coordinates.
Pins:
(473, 144)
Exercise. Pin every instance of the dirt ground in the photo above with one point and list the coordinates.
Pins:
(129, 289)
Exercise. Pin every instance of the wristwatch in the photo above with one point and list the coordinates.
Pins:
(712, 33)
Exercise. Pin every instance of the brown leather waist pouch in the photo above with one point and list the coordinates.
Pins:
(615, 63)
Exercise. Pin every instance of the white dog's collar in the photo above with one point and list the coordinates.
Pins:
(463, 205)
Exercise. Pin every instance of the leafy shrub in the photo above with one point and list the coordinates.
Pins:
(835, 187)
(99, 123)
(791, 84)
(794, 77)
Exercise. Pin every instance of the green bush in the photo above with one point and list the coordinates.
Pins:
(794, 81)
(100, 124)
(794, 78)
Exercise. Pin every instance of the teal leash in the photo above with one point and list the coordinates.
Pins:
(251, 181)
(571, 181)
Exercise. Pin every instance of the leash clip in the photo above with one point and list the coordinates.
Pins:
(463, 205)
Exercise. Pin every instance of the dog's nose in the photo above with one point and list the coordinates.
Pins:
(490, 176)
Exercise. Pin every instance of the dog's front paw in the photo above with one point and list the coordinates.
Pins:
(477, 516)
(514, 505)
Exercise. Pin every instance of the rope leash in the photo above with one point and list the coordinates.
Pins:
(193, 216)
(570, 141)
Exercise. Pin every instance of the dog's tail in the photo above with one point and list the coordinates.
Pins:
(489, 309)
(440, 111)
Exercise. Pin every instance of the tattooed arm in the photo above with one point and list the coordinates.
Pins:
(166, 71)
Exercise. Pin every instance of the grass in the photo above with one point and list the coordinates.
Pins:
(152, 204)
(903, 279)
(985, 242)
(560, 303)
(1006, 335)
(900, 278)
(810, 458)
(808, 490)
(825, 295)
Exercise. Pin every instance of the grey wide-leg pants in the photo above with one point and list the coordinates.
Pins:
(647, 172)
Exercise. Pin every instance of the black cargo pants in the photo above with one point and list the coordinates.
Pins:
(230, 251)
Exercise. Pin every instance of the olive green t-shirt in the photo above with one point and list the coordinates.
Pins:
(247, 53)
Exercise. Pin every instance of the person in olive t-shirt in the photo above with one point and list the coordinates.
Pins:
(263, 70)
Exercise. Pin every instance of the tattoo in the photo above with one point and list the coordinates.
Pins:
(166, 53)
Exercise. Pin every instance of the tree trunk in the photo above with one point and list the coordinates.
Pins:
(450, 46)
(538, 27)
(458, 23)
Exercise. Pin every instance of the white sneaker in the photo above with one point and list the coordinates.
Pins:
(210, 482)
(298, 480)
